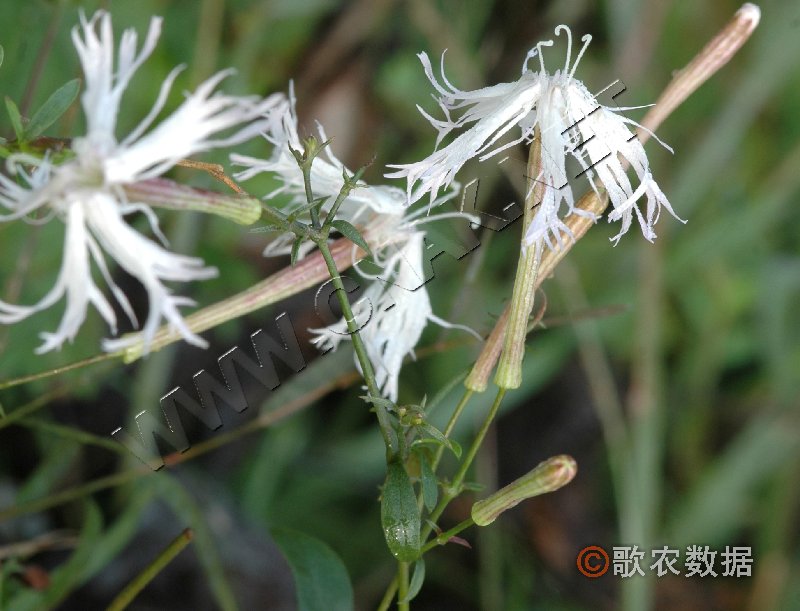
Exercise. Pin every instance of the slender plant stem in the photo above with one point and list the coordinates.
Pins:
(334, 209)
(31, 407)
(319, 235)
(458, 480)
(58, 370)
(75, 434)
(361, 351)
(402, 586)
(448, 429)
(130, 592)
(451, 424)
(310, 194)
(117, 479)
(447, 535)
(454, 489)
(388, 596)
(263, 421)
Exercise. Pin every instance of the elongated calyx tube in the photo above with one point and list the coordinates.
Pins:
(548, 476)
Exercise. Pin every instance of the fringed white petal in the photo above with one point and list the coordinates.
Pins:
(572, 124)
(327, 179)
(86, 192)
(391, 316)
(149, 263)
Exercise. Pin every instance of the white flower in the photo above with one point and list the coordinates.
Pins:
(362, 203)
(395, 307)
(571, 122)
(390, 316)
(86, 192)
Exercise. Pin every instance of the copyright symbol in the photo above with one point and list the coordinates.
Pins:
(592, 561)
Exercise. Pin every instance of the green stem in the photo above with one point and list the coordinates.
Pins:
(402, 587)
(52, 372)
(451, 424)
(319, 236)
(446, 536)
(458, 480)
(75, 434)
(360, 349)
(72, 494)
(263, 421)
(281, 221)
(454, 489)
(388, 595)
(306, 167)
(29, 408)
(345, 191)
(149, 573)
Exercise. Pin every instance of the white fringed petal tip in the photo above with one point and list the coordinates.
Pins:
(395, 308)
(86, 192)
(391, 316)
(363, 203)
(572, 124)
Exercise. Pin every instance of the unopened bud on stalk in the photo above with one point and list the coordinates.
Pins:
(713, 56)
(548, 476)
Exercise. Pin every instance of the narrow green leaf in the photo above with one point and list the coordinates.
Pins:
(399, 514)
(438, 437)
(2, 54)
(351, 233)
(15, 117)
(430, 487)
(320, 576)
(295, 250)
(417, 579)
(380, 402)
(55, 106)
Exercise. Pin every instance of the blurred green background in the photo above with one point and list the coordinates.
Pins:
(669, 371)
